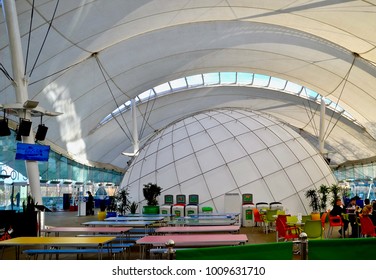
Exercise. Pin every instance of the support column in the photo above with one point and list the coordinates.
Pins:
(322, 127)
(134, 126)
(20, 84)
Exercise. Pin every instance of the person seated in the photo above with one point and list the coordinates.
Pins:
(338, 210)
(373, 213)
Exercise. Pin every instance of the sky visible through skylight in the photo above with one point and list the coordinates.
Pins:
(225, 79)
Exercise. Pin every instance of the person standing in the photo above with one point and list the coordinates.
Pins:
(90, 204)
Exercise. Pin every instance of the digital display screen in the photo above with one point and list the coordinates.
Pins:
(32, 152)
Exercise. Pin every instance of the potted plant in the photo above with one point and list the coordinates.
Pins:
(133, 207)
(102, 210)
(314, 203)
(335, 190)
(111, 210)
(151, 192)
(323, 193)
(122, 201)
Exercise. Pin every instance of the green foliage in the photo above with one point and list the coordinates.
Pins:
(133, 207)
(314, 200)
(151, 192)
(335, 190)
(29, 206)
(323, 195)
(122, 199)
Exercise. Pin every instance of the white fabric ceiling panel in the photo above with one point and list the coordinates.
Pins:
(298, 176)
(194, 128)
(165, 140)
(231, 150)
(284, 155)
(164, 157)
(282, 133)
(187, 168)
(166, 177)
(180, 152)
(268, 136)
(210, 158)
(251, 143)
(220, 181)
(196, 185)
(265, 162)
(294, 205)
(179, 133)
(201, 141)
(280, 185)
(298, 150)
(236, 128)
(244, 171)
(149, 164)
(219, 134)
(315, 173)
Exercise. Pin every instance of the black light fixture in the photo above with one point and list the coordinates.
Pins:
(42, 131)
(24, 127)
(4, 129)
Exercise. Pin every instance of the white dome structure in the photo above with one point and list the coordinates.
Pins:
(229, 151)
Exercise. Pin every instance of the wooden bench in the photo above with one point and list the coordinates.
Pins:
(116, 249)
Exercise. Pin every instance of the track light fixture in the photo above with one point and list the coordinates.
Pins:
(4, 129)
(42, 130)
(24, 127)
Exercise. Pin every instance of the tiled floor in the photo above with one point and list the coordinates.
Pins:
(67, 218)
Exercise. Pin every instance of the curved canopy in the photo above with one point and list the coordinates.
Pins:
(90, 57)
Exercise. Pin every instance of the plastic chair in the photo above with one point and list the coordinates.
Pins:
(367, 227)
(258, 218)
(305, 218)
(269, 220)
(323, 221)
(313, 229)
(285, 232)
(335, 221)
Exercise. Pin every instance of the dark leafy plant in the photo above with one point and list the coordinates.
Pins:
(151, 192)
(335, 190)
(314, 200)
(323, 193)
(133, 207)
(122, 200)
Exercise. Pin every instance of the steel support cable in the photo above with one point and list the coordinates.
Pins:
(45, 38)
(5, 72)
(29, 37)
(145, 119)
(344, 81)
(311, 114)
(100, 66)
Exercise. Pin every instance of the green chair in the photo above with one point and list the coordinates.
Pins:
(269, 220)
(313, 229)
(305, 218)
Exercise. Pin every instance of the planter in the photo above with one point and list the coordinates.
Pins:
(150, 209)
(101, 215)
(315, 216)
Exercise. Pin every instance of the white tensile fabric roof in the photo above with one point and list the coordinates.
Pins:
(100, 54)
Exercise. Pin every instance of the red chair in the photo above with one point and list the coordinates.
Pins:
(285, 232)
(258, 218)
(335, 221)
(323, 221)
(367, 227)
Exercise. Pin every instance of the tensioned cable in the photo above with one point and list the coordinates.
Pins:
(45, 38)
(145, 120)
(5, 72)
(113, 97)
(310, 115)
(344, 81)
(29, 37)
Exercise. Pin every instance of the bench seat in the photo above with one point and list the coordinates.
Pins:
(77, 251)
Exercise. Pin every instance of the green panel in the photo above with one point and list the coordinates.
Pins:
(342, 249)
(268, 251)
